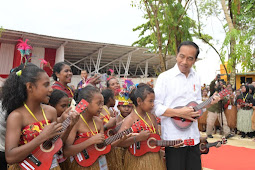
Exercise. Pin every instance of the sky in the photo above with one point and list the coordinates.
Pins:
(104, 21)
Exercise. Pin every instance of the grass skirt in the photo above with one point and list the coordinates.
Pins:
(75, 166)
(244, 120)
(231, 115)
(65, 165)
(17, 167)
(149, 161)
(115, 158)
(202, 121)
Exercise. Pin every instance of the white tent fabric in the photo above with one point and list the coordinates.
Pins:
(37, 54)
(60, 54)
(6, 57)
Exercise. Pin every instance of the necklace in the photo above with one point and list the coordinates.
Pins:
(32, 114)
(88, 125)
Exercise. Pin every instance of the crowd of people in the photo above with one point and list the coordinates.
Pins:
(233, 114)
(120, 126)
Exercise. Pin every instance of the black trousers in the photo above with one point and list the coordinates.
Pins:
(3, 163)
(183, 158)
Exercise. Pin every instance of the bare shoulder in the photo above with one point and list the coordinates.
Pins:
(15, 119)
(15, 115)
(51, 112)
(48, 108)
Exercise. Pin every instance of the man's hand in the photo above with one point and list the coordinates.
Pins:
(188, 113)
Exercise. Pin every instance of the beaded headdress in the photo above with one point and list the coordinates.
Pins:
(123, 96)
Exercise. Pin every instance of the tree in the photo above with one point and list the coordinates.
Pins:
(167, 26)
(239, 26)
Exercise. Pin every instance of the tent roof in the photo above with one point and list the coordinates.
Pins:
(76, 50)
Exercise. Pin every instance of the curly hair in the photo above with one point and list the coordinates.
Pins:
(14, 90)
(141, 91)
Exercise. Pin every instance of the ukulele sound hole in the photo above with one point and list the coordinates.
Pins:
(110, 133)
(151, 143)
(100, 147)
(202, 147)
(47, 145)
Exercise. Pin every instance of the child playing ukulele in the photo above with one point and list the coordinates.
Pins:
(29, 122)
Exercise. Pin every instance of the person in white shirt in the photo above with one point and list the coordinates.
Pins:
(177, 87)
(3, 163)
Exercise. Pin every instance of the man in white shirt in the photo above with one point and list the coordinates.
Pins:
(177, 87)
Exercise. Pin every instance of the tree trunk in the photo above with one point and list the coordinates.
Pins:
(232, 43)
(228, 18)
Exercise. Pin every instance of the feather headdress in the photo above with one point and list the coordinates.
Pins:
(123, 97)
(24, 49)
(45, 63)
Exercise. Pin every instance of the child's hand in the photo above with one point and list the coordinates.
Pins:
(74, 117)
(65, 114)
(51, 130)
(143, 135)
(98, 138)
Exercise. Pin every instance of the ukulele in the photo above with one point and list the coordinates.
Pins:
(182, 123)
(89, 155)
(154, 143)
(204, 146)
(112, 131)
(41, 158)
(242, 103)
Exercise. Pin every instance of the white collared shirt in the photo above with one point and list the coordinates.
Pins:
(174, 89)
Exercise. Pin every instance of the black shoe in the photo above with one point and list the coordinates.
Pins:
(249, 134)
(243, 135)
(229, 136)
(210, 136)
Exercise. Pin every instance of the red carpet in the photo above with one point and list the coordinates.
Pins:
(229, 158)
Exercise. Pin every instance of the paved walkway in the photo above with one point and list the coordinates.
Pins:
(234, 141)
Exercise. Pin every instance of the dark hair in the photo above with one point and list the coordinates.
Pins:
(141, 91)
(109, 79)
(84, 70)
(87, 93)
(108, 94)
(190, 43)
(57, 68)
(14, 90)
(55, 96)
(252, 88)
(247, 88)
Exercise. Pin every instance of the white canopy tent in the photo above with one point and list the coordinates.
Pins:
(94, 56)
